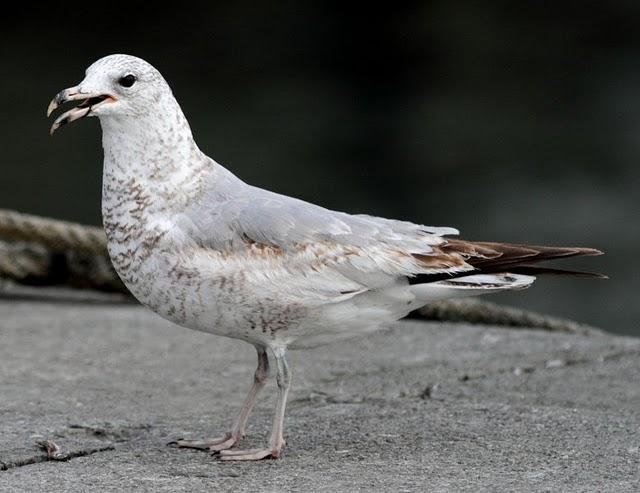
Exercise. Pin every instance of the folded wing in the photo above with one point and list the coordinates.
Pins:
(306, 251)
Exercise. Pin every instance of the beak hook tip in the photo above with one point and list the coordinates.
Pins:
(52, 107)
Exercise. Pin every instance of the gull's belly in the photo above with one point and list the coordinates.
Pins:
(177, 288)
(179, 291)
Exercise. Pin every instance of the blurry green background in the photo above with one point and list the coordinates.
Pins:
(513, 121)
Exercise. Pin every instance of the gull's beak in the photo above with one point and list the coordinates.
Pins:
(90, 101)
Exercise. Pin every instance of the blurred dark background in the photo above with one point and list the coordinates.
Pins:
(513, 121)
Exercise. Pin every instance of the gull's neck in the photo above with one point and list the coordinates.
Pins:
(153, 145)
(153, 154)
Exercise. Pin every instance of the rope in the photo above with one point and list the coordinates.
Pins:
(21, 261)
(35, 265)
(484, 312)
(42, 251)
(52, 233)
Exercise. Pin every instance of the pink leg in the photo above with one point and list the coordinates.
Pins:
(237, 432)
(276, 440)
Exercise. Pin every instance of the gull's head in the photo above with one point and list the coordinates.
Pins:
(114, 86)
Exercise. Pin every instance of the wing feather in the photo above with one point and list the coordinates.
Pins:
(333, 254)
(304, 251)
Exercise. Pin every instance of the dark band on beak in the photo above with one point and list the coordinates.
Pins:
(62, 97)
(89, 102)
(69, 117)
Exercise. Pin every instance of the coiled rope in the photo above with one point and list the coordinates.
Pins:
(52, 233)
(40, 251)
(475, 311)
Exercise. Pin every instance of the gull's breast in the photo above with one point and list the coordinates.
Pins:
(197, 287)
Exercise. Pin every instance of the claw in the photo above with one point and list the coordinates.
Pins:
(174, 443)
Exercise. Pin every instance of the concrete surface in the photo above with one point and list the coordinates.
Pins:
(422, 407)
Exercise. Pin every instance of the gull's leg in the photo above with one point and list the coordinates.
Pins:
(276, 440)
(238, 430)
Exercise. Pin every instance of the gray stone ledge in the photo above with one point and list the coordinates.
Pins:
(423, 406)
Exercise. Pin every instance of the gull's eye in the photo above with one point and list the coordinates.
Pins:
(127, 81)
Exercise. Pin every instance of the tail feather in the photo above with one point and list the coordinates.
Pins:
(470, 285)
(536, 270)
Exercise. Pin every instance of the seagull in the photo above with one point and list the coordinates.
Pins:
(207, 251)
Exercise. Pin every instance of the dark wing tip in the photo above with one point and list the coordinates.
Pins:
(593, 251)
(534, 270)
(579, 251)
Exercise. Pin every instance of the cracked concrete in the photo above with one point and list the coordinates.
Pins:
(423, 406)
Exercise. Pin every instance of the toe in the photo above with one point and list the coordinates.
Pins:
(201, 444)
(224, 445)
(254, 454)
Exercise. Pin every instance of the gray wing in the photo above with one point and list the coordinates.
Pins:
(336, 252)
(232, 211)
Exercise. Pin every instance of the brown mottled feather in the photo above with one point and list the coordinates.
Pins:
(441, 259)
(490, 257)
